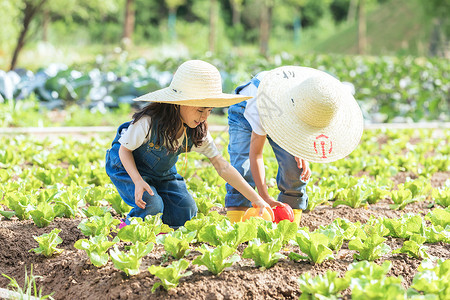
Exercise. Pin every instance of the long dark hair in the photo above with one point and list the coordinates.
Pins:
(169, 123)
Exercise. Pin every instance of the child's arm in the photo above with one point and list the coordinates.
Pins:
(232, 176)
(127, 159)
(257, 167)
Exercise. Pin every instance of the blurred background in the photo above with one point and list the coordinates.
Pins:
(81, 62)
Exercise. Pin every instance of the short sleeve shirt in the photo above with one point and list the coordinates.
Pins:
(136, 135)
(251, 109)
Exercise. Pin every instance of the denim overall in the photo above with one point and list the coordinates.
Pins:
(157, 167)
(292, 188)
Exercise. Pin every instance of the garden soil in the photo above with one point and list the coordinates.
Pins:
(70, 275)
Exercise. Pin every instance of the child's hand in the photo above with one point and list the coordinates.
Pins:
(272, 202)
(304, 166)
(140, 187)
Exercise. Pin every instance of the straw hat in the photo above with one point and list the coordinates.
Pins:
(309, 113)
(195, 83)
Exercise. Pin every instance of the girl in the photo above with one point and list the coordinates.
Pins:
(306, 115)
(142, 157)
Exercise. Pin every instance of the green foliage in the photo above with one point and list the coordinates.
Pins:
(321, 286)
(264, 255)
(143, 231)
(177, 243)
(433, 278)
(96, 248)
(439, 217)
(314, 245)
(48, 243)
(130, 261)
(441, 196)
(284, 230)
(170, 275)
(414, 247)
(370, 242)
(401, 198)
(227, 233)
(98, 225)
(216, 259)
(29, 288)
(43, 214)
(405, 226)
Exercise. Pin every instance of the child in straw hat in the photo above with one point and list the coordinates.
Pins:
(142, 157)
(306, 115)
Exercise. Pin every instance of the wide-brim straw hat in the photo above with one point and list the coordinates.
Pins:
(309, 113)
(195, 83)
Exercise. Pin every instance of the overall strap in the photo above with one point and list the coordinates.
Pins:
(255, 81)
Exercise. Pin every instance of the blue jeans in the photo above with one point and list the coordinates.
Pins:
(292, 188)
(156, 166)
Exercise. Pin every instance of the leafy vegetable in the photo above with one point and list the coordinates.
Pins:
(432, 279)
(401, 198)
(216, 259)
(314, 245)
(370, 244)
(96, 248)
(98, 225)
(170, 275)
(263, 254)
(226, 233)
(48, 243)
(414, 247)
(321, 286)
(177, 243)
(130, 261)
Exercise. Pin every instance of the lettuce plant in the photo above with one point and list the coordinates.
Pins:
(170, 276)
(405, 226)
(98, 211)
(325, 286)
(129, 262)
(284, 230)
(96, 248)
(370, 242)
(401, 198)
(177, 243)
(414, 247)
(354, 197)
(441, 196)
(314, 245)
(439, 217)
(369, 281)
(143, 231)
(21, 204)
(48, 243)
(433, 279)
(335, 235)
(435, 234)
(318, 196)
(200, 221)
(43, 214)
(227, 233)
(117, 203)
(98, 225)
(264, 255)
(216, 259)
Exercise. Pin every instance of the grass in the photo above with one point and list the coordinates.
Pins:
(29, 288)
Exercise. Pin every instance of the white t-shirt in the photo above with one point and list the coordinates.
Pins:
(133, 137)
(251, 109)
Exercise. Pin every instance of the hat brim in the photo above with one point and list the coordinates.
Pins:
(167, 95)
(315, 144)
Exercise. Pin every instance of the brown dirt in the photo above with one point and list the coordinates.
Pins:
(70, 275)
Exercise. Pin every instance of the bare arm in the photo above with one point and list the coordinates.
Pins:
(127, 159)
(257, 167)
(232, 176)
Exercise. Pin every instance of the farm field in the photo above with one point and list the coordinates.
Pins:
(391, 193)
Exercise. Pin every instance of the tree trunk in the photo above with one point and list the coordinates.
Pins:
(28, 14)
(236, 13)
(45, 22)
(264, 30)
(128, 26)
(362, 40)
(212, 24)
(352, 11)
(171, 23)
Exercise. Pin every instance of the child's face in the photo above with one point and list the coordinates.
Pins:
(193, 116)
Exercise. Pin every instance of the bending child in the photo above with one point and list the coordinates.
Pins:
(142, 157)
(306, 115)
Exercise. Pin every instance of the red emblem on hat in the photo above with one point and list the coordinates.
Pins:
(323, 145)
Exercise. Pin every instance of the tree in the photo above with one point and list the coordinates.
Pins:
(128, 24)
(212, 24)
(173, 5)
(29, 11)
(265, 23)
(362, 30)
